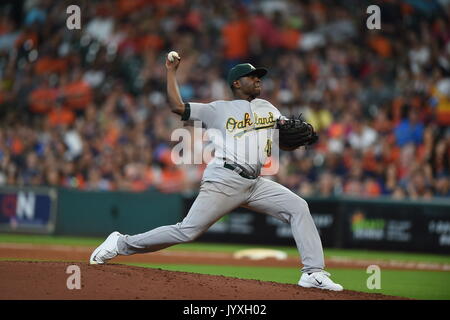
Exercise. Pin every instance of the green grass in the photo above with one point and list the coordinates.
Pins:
(424, 285)
(216, 247)
(41, 260)
(45, 239)
(385, 255)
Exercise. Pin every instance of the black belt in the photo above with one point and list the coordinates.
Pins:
(239, 171)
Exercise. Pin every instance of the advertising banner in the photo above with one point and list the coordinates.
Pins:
(396, 225)
(382, 224)
(28, 210)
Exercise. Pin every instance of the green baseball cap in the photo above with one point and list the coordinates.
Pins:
(242, 70)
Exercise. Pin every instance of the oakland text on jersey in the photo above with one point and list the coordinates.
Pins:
(186, 151)
(266, 122)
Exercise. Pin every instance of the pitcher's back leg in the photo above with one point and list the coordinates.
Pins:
(276, 200)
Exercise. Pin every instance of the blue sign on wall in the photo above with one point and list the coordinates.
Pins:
(27, 210)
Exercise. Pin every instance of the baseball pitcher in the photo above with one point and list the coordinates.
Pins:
(231, 180)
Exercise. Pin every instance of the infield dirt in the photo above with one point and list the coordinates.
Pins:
(24, 280)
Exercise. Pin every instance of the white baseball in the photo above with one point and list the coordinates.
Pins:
(171, 55)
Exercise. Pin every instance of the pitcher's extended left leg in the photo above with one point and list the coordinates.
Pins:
(210, 205)
(276, 200)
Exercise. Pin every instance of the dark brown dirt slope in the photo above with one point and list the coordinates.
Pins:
(47, 280)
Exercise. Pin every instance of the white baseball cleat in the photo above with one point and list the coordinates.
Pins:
(319, 280)
(107, 250)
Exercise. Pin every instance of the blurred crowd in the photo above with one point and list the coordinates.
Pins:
(87, 108)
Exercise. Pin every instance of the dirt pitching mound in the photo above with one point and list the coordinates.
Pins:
(48, 280)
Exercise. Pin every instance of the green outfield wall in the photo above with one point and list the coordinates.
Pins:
(386, 224)
(85, 213)
(100, 213)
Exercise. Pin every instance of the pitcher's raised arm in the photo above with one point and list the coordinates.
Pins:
(173, 92)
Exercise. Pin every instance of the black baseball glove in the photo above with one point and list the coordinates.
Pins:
(295, 133)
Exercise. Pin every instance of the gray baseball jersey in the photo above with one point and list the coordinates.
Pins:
(241, 131)
(242, 134)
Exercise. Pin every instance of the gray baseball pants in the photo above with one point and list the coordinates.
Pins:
(216, 200)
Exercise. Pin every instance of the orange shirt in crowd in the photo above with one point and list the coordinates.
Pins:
(17, 146)
(381, 45)
(236, 35)
(172, 180)
(126, 7)
(42, 100)
(290, 38)
(130, 6)
(443, 114)
(78, 95)
(372, 188)
(138, 185)
(336, 130)
(61, 116)
(49, 65)
(194, 19)
(149, 42)
(111, 136)
(442, 108)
